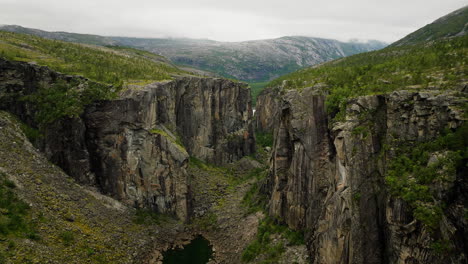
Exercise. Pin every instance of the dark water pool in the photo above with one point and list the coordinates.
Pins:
(199, 251)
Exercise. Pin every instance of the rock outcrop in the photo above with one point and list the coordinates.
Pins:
(327, 179)
(268, 110)
(136, 147)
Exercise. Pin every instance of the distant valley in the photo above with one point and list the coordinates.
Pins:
(250, 61)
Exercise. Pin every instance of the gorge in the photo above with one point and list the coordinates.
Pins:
(135, 160)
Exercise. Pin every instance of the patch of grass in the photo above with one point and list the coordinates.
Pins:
(262, 245)
(67, 238)
(198, 163)
(207, 221)
(253, 199)
(176, 140)
(32, 134)
(107, 65)
(13, 211)
(149, 217)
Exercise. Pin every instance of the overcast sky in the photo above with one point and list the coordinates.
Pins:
(233, 20)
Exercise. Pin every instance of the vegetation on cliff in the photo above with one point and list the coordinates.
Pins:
(67, 99)
(417, 173)
(109, 65)
(440, 64)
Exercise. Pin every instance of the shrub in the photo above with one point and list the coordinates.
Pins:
(411, 178)
(264, 139)
(67, 238)
(66, 99)
(263, 245)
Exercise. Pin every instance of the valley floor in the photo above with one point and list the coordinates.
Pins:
(69, 223)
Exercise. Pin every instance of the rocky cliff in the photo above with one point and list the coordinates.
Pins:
(66, 222)
(328, 178)
(136, 146)
(267, 112)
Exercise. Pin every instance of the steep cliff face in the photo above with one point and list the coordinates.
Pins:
(132, 147)
(328, 179)
(268, 109)
(100, 228)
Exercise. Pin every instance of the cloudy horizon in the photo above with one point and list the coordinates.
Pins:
(230, 21)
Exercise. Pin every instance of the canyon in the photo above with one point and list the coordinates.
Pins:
(358, 160)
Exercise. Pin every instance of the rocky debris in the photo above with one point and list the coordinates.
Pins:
(295, 255)
(219, 214)
(247, 164)
(328, 178)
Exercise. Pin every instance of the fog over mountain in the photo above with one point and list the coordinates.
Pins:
(230, 20)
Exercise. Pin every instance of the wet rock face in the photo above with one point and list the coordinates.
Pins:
(328, 179)
(136, 147)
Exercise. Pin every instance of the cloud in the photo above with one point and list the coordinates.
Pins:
(230, 20)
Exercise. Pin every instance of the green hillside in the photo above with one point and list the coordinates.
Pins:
(249, 61)
(110, 65)
(440, 64)
(453, 24)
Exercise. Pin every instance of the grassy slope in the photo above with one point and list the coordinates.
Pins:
(449, 25)
(114, 65)
(254, 61)
(57, 220)
(256, 88)
(441, 63)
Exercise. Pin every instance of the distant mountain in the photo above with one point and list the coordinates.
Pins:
(257, 60)
(65, 36)
(453, 24)
(252, 61)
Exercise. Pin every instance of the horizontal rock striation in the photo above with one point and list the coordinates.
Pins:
(327, 178)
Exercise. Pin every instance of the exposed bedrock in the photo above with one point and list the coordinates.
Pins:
(328, 179)
(136, 147)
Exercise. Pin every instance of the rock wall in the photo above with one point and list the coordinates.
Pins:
(327, 179)
(136, 147)
(268, 110)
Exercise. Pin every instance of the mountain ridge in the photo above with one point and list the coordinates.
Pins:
(450, 25)
(251, 61)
